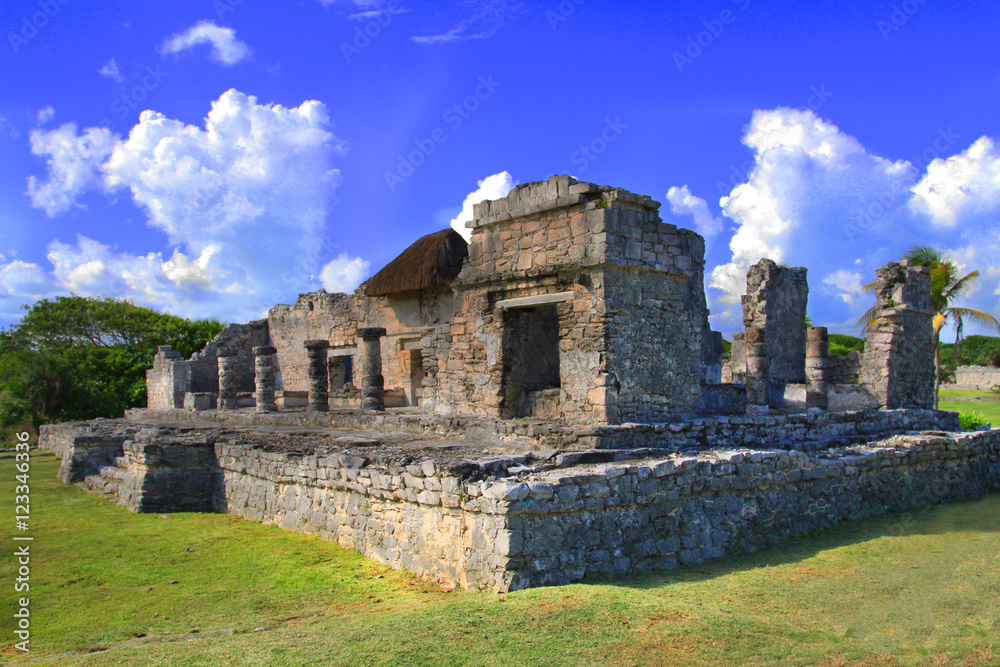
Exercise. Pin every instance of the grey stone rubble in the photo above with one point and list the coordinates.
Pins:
(545, 403)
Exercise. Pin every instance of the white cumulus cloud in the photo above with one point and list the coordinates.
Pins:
(682, 202)
(226, 48)
(74, 162)
(242, 202)
(962, 185)
(344, 273)
(491, 187)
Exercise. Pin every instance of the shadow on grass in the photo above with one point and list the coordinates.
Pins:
(981, 515)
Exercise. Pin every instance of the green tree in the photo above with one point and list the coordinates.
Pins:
(76, 357)
(947, 285)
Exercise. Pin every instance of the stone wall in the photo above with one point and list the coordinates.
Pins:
(170, 473)
(844, 370)
(314, 316)
(618, 518)
(898, 363)
(627, 287)
(487, 527)
(977, 377)
(776, 301)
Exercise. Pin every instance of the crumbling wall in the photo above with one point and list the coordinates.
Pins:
(314, 316)
(898, 362)
(845, 370)
(413, 321)
(239, 338)
(171, 377)
(776, 301)
(168, 380)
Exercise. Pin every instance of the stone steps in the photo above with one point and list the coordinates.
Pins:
(108, 481)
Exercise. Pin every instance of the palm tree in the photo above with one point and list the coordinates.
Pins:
(946, 287)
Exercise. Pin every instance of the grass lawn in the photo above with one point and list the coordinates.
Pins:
(113, 588)
(971, 393)
(991, 411)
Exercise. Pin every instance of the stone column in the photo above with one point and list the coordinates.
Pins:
(369, 376)
(319, 397)
(228, 380)
(738, 358)
(264, 366)
(817, 379)
(758, 372)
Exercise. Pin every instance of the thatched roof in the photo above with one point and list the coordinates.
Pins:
(432, 261)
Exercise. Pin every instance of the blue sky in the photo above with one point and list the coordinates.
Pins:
(215, 158)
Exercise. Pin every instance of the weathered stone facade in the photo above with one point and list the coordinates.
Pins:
(898, 363)
(623, 289)
(572, 302)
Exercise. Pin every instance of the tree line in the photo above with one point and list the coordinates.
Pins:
(75, 357)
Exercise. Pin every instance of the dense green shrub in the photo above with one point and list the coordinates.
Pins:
(79, 358)
(970, 421)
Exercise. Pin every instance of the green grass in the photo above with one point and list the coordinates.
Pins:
(971, 393)
(913, 589)
(991, 411)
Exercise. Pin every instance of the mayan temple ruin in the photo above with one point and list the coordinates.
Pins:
(544, 403)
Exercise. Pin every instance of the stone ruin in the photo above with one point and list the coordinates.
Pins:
(543, 404)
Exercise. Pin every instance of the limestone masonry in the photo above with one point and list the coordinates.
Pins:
(544, 404)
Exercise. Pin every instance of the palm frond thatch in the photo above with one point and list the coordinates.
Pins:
(434, 260)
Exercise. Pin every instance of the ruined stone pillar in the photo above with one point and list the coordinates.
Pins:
(228, 380)
(319, 397)
(264, 366)
(898, 364)
(758, 376)
(738, 359)
(369, 376)
(817, 379)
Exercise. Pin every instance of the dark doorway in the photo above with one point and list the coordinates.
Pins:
(530, 357)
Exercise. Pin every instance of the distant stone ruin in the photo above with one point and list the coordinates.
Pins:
(545, 403)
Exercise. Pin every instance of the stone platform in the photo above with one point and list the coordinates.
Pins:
(487, 508)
